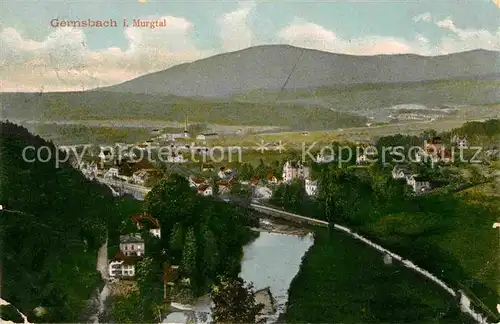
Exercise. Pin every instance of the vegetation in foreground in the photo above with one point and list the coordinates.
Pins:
(341, 280)
(53, 223)
(447, 232)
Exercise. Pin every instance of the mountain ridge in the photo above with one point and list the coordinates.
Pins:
(269, 66)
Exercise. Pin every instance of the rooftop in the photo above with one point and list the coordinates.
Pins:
(203, 187)
(135, 238)
(145, 218)
(119, 256)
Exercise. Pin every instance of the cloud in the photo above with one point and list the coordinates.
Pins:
(310, 35)
(427, 17)
(63, 62)
(458, 39)
(235, 31)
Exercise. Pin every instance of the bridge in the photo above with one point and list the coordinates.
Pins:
(119, 188)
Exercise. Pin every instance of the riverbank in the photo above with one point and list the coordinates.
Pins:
(343, 280)
(270, 262)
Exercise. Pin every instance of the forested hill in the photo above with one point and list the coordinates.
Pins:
(52, 223)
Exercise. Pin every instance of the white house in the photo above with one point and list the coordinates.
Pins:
(150, 222)
(111, 173)
(205, 190)
(420, 185)
(208, 136)
(320, 158)
(207, 168)
(140, 177)
(122, 266)
(462, 143)
(364, 158)
(132, 245)
(401, 172)
(311, 187)
(292, 171)
(176, 158)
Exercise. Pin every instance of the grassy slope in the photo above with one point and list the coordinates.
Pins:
(343, 280)
(124, 106)
(71, 134)
(372, 96)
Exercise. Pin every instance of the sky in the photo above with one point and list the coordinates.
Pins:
(35, 56)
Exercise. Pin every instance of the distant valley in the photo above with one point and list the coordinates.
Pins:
(282, 86)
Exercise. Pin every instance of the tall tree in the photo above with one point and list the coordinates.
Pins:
(234, 302)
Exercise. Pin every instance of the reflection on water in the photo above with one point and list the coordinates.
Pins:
(272, 260)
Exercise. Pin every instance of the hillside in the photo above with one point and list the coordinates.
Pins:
(127, 106)
(268, 67)
(52, 224)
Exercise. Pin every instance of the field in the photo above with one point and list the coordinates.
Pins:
(369, 98)
(341, 280)
(125, 106)
(297, 139)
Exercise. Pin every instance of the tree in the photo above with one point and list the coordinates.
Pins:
(188, 264)
(215, 187)
(234, 302)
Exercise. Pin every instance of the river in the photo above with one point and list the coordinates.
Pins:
(272, 260)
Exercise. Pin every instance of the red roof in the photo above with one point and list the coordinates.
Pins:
(198, 180)
(270, 176)
(119, 256)
(203, 187)
(138, 219)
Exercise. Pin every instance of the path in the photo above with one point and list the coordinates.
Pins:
(465, 301)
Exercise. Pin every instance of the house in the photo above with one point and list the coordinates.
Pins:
(225, 186)
(89, 170)
(205, 190)
(361, 159)
(401, 172)
(176, 158)
(196, 182)
(207, 168)
(292, 171)
(105, 153)
(207, 136)
(146, 220)
(272, 179)
(320, 158)
(140, 177)
(420, 184)
(111, 173)
(132, 245)
(410, 179)
(254, 181)
(122, 266)
(460, 142)
(311, 187)
(225, 173)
